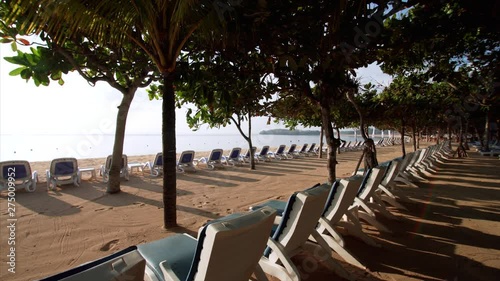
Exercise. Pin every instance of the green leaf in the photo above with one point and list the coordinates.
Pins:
(60, 82)
(17, 71)
(13, 45)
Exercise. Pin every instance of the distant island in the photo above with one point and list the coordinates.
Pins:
(289, 132)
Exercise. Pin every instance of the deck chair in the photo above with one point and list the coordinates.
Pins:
(104, 169)
(386, 189)
(263, 154)
(186, 161)
(279, 154)
(213, 161)
(312, 150)
(63, 171)
(246, 157)
(303, 151)
(291, 151)
(363, 207)
(226, 249)
(289, 237)
(17, 174)
(126, 264)
(155, 167)
(340, 197)
(233, 158)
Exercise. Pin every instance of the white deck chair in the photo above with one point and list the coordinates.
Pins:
(126, 264)
(104, 169)
(362, 208)
(226, 249)
(386, 189)
(312, 150)
(186, 161)
(63, 171)
(291, 151)
(340, 197)
(17, 174)
(214, 160)
(263, 154)
(302, 152)
(233, 158)
(296, 225)
(246, 157)
(279, 154)
(155, 167)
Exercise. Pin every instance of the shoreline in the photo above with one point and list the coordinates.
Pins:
(42, 166)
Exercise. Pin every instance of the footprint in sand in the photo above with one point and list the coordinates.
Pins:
(110, 245)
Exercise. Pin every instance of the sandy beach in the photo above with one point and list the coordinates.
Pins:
(451, 231)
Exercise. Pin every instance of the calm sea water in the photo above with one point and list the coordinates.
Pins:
(48, 147)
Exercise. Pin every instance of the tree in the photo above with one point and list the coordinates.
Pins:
(456, 42)
(125, 69)
(320, 43)
(160, 28)
(226, 87)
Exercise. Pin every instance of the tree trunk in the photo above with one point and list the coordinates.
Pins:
(113, 185)
(487, 134)
(369, 149)
(321, 136)
(449, 135)
(331, 160)
(414, 136)
(169, 153)
(402, 137)
(252, 153)
(338, 136)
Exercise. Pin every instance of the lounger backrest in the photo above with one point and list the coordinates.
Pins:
(216, 155)
(64, 167)
(19, 170)
(300, 218)
(110, 158)
(187, 157)
(371, 182)
(229, 249)
(281, 149)
(264, 150)
(292, 148)
(344, 195)
(159, 159)
(391, 172)
(304, 147)
(311, 149)
(235, 153)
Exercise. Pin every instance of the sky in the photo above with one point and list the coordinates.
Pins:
(78, 108)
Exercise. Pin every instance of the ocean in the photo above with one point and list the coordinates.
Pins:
(45, 147)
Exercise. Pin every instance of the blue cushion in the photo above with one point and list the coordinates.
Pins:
(177, 250)
(363, 183)
(18, 170)
(187, 158)
(216, 155)
(159, 160)
(284, 220)
(331, 196)
(64, 168)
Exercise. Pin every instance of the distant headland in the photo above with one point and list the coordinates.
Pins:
(289, 132)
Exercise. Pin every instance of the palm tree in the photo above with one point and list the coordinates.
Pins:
(160, 28)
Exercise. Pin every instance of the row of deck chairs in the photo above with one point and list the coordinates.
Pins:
(217, 159)
(263, 240)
